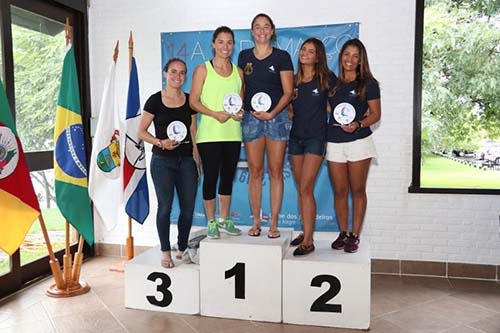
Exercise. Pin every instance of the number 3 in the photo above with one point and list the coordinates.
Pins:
(162, 288)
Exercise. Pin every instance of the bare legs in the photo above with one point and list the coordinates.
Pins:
(345, 176)
(305, 170)
(275, 157)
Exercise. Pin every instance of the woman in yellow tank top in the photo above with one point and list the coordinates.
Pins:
(219, 134)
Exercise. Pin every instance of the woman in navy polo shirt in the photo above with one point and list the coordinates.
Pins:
(267, 71)
(306, 146)
(355, 104)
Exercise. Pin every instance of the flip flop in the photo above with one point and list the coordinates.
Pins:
(273, 234)
(254, 231)
(166, 262)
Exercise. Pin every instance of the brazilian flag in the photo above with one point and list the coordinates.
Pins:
(70, 163)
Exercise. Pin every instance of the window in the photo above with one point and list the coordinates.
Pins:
(456, 146)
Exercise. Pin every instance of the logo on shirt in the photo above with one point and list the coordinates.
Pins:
(271, 69)
(352, 92)
(248, 68)
(315, 92)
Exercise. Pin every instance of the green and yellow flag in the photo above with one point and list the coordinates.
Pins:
(70, 162)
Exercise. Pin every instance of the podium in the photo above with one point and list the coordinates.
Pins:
(327, 287)
(257, 278)
(241, 276)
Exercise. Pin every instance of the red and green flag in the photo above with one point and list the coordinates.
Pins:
(70, 162)
(18, 203)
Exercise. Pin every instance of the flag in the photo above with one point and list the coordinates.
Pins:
(135, 185)
(70, 162)
(18, 202)
(105, 183)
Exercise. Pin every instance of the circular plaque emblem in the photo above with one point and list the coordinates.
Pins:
(344, 113)
(177, 131)
(261, 102)
(232, 103)
(9, 153)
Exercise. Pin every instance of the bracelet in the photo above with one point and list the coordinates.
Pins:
(159, 143)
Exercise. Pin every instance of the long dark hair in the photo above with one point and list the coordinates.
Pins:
(363, 73)
(322, 73)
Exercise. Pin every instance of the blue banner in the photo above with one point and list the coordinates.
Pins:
(195, 47)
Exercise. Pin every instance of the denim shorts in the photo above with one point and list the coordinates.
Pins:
(314, 146)
(277, 129)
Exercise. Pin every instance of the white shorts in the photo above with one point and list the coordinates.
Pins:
(353, 151)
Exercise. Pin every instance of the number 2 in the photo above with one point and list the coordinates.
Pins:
(320, 304)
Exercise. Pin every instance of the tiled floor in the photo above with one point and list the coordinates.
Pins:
(408, 304)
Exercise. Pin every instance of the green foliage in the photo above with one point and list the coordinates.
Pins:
(461, 71)
(37, 71)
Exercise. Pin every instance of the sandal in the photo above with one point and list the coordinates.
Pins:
(254, 231)
(166, 260)
(273, 233)
(297, 240)
(303, 250)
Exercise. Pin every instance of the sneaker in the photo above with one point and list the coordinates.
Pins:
(227, 226)
(213, 230)
(297, 240)
(303, 250)
(339, 243)
(352, 243)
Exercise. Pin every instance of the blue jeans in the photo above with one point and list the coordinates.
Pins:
(179, 173)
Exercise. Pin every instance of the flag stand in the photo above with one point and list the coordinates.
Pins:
(70, 283)
(129, 247)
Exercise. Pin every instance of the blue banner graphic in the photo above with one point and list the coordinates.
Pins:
(195, 47)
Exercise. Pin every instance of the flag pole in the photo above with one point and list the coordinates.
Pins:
(71, 288)
(77, 266)
(53, 262)
(129, 251)
(129, 245)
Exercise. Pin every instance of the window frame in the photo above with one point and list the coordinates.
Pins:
(22, 276)
(415, 186)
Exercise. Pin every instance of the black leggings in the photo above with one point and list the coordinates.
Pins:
(219, 159)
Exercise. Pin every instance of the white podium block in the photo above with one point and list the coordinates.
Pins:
(240, 276)
(149, 286)
(328, 287)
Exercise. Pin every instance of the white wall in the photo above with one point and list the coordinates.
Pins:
(399, 225)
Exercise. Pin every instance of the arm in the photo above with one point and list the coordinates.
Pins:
(287, 84)
(371, 117)
(238, 116)
(192, 130)
(199, 75)
(143, 133)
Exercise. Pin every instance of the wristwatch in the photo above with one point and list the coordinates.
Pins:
(158, 143)
(360, 125)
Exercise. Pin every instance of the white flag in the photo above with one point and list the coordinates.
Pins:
(105, 178)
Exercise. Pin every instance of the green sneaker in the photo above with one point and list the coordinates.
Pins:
(228, 227)
(213, 230)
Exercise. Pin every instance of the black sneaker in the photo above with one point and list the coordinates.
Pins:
(303, 250)
(339, 243)
(352, 243)
(297, 240)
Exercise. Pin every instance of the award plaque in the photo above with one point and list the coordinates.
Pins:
(344, 113)
(232, 103)
(261, 102)
(177, 131)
